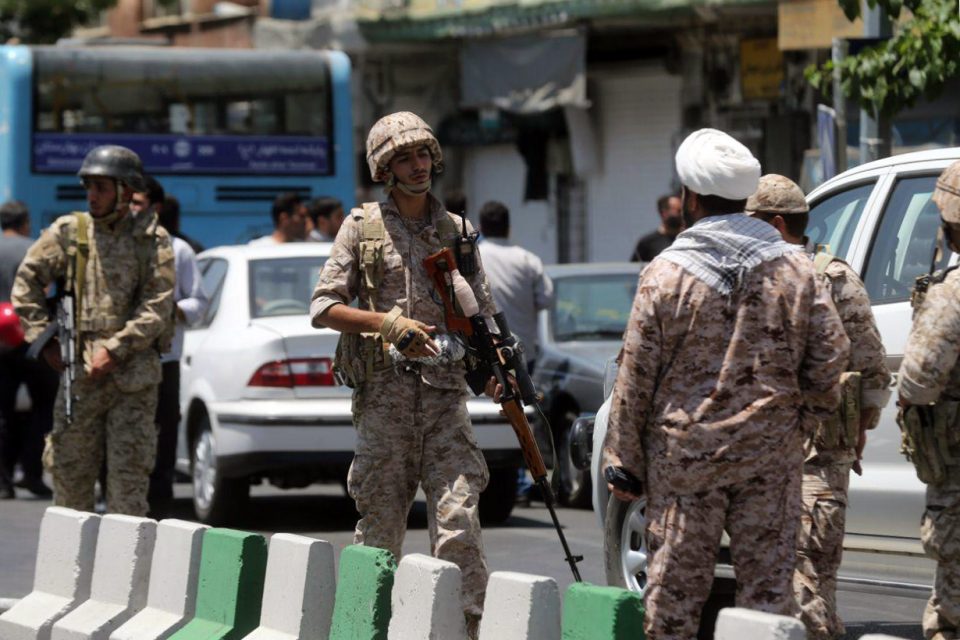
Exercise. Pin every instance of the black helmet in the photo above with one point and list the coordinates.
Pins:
(113, 161)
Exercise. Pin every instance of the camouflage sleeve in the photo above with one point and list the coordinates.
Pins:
(934, 344)
(480, 285)
(45, 261)
(867, 354)
(825, 357)
(154, 308)
(339, 281)
(633, 391)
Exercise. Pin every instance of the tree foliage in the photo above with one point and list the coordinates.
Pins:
(46, 21)
(916, 62)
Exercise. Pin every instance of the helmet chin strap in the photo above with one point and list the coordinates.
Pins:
(117, 210)
(408, 189)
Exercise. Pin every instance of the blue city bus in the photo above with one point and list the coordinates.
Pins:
(223, 130)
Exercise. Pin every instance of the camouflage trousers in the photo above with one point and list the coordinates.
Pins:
(820, 548)
(411, 434)
(940, 535)
(683, 536)
(107, 422)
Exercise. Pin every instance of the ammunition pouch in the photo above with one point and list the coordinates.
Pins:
(842, 429)
(359, 356)
(928, 436)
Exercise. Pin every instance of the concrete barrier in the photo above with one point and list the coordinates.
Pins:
(172, 594)
(299, 590)
(230, 589)
(121, 574)
(425, 603)
(602, 613)
(64, 569)
(736, 624)
(880, 636)
(362, 609)
(520, 607)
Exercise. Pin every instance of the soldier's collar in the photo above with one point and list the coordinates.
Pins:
(435, 209)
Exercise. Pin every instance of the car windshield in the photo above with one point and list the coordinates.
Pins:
(592, 307)
(283, 286)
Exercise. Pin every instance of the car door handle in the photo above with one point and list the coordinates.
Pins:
(187, 361)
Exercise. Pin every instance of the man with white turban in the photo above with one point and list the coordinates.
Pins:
(733, 348)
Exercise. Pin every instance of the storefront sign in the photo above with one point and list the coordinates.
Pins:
(813, 24)
(761, 69)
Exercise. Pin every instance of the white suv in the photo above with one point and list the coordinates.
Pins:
(880, 218)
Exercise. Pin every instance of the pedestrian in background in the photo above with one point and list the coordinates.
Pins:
(732, 345)
(929, 389)
(671, 222)
(190, 303)
(21, 436)
(121, 271)
(837, 443)
(289, 216)
(327, 216)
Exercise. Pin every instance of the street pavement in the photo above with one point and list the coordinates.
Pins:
(526, 543)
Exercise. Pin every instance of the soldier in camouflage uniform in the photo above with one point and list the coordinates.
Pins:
(929, 390)
(411, 418)
(124, 306)
(733, 345)
(836, 445)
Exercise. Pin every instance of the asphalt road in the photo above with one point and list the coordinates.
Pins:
(526, 543)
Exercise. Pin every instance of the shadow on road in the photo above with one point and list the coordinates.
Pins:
(896, 629)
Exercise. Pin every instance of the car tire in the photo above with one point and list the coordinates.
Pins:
(626, 557)
(573, 486)
(497, 500)
(216, 500)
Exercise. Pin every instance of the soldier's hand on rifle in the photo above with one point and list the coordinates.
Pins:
(51, 353)
(624, 496)
(410, 337)
(102, 364)
(495, 390)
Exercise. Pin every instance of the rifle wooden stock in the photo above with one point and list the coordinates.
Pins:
(528, 445)
(439, 266)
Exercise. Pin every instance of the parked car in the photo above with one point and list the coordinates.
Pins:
(880, 218)
(577, 335)
(258, 396)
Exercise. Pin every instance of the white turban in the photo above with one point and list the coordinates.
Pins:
(711, 163)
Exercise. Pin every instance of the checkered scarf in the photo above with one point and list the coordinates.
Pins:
(721, 250)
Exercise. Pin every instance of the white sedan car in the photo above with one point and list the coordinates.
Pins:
(880, 218)
(257, 392)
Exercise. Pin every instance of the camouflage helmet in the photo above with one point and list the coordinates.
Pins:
(777, 194)
(113, 161)
(393, 132)
(947, 193)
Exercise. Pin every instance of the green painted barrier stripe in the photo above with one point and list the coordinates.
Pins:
(230, 589)
(602, 613)
(362, 607)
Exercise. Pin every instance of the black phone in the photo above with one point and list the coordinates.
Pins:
(623, 480)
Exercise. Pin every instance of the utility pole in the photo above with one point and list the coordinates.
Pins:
(874, 128)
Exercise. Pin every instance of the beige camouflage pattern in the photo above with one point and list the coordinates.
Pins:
(106, 420)
(820, 548)
(940, 535)
(127, 302)
(683, 533)
(777, 194)
(930, 373)
(405, 283)
(826, 471)
(409, 434)
(393, 132)
(947, 193)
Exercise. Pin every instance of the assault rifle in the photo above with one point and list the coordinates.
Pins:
(64, 329)
(498, 353)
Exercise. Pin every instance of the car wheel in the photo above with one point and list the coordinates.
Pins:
(625, 544)
(216, 500)
(496, 501)
(572, 486)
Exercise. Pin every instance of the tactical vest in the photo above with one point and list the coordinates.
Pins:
(360, 355)
(842, 429)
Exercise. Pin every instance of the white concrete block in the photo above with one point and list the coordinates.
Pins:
(172, 592)
(425, 602)
(298, 591)
(737, 624)
(121, 574)
(880, 636)
(520, 607)
(64, 569)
